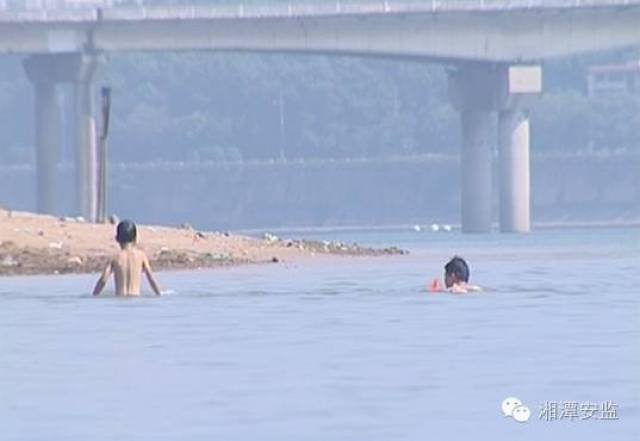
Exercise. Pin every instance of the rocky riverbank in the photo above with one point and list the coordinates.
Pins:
(40, 244)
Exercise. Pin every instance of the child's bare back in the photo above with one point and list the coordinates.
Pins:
(127, 265)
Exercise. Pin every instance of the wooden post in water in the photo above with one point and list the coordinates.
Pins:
(105, 94)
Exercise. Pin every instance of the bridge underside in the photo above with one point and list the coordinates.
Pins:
(481, 45)
(508, 36)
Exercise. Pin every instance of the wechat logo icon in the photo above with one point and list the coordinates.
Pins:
(512, 407)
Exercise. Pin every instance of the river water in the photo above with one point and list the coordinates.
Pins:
(338, 349)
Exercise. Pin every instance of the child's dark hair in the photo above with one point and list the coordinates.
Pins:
(126, 232)
(458, 267)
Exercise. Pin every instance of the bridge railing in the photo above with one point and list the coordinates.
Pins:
(90, 10)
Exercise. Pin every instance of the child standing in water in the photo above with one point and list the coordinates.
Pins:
(127, 265)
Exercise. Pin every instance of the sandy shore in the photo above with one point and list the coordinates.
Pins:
(39, 244)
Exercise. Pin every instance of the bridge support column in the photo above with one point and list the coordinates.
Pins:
(513, 141)
(85, 140)
(476, 160)
(521, 85)
(473, 89)
(47, 130)
(45, 71)
(478, 90)
(47, 146)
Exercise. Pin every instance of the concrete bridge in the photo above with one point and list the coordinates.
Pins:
(492, 49)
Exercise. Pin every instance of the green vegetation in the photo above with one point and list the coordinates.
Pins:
(208, 106)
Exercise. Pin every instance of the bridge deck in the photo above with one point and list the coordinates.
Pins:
(240, 9)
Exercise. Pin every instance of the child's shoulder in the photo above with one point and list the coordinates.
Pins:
(464, 288)
(140, 254)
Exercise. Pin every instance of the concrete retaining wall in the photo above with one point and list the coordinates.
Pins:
(330, 193)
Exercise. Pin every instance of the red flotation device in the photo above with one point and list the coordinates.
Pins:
(435, 286)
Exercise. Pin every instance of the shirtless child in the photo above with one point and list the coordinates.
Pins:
(456, 277)
(127, 265)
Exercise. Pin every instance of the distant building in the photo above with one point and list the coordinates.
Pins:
(609, 78)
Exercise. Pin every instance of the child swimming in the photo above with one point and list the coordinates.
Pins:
(127, 265)
(456, 278)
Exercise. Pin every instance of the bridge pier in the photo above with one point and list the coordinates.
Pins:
(476, 162)
(479, 91)
(86, 173)
(47, 130)
(513, 144)
(47, 145)
(473, 89)
(45, 72)
(521, 85)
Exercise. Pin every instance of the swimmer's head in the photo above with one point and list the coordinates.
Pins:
(456, 271)
(126, 232)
